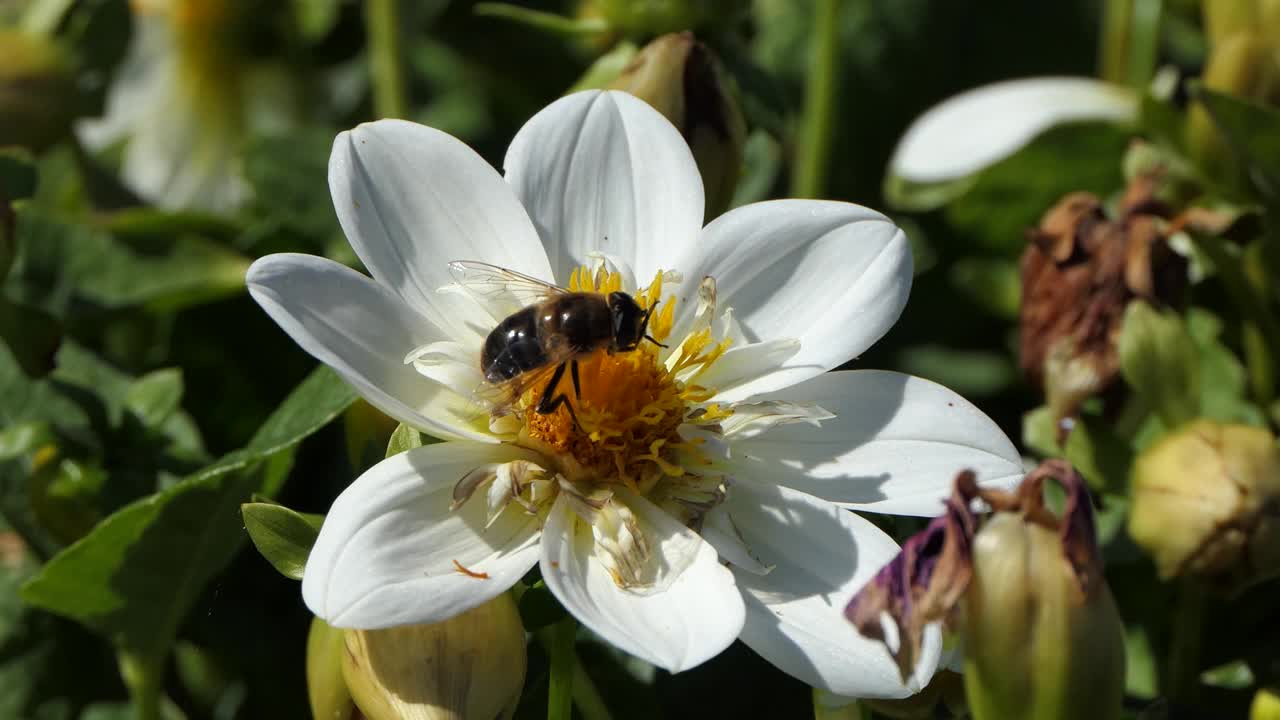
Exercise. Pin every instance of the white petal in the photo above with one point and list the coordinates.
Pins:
(699, 614)
(361, 330)
(821, 555)
(895, 444)
(603, 171)
(390, 548)
(976, 128)
(411, 199)
(832, 275)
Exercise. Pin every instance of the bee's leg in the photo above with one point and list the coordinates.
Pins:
(550, 401)
(577, 386)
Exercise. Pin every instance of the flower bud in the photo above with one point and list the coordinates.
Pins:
(37, 91)
(1266, 705)
(683, 80)
(654, 17)
(326, 690)
(1206, 501)
(470, 666)
(1043, 638)
(1243, 64)
(1041, 634)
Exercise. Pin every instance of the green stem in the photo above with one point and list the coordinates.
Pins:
(1130, 44)
(143, 677)
(1260, 357)
(1113, 53)
(814, 150)
(586, 696)
(1183, 677)
(563, 661)
(386, 57)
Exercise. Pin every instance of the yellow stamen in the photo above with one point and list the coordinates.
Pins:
(631, 404)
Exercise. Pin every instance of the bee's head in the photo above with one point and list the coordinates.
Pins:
(629, 321)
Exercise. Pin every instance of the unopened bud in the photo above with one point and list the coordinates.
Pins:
(1266, 705)
(1245, 65)
(683, 80)
(654, 17)
(1206, 501)
(470, 666)
(326, 690)
(1041, 634)
(37, 91)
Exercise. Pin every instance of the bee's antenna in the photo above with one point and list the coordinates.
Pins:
(644, 325)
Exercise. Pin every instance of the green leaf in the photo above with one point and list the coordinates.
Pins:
(540, 20)
(1040, 432)
(33, 336)
(61, 262)
(137, 574)
(969, 372)
(154, 397)
(993, 284)
(17, 175)
(288, 174)
(1158, 359)
(1010, 196)
(17, 181)
(1252, 132)
(404, 438)
(314, 18)
(1223, 383)
(539, 607)
(283, 536)
(142, 223)
(1101, 456)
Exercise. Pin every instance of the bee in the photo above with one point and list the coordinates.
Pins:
(550, 333)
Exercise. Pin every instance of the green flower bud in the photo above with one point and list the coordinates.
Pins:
(1224, 18)
(37, 91)
(683, 80)
(1206, 501)
(1043, 638)
(1243, 64)
(470, 666)
(326, 690)
(654, 17)
(1266, 705)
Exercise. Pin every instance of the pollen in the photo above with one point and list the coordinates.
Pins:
(631, 404)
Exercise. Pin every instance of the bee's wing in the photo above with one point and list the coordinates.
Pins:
(505, 395)
(500, 285)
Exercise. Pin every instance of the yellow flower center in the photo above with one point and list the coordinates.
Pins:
(631, 405)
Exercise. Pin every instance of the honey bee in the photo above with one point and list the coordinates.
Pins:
(550, 333)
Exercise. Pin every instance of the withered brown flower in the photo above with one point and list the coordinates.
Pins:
(1080, 269)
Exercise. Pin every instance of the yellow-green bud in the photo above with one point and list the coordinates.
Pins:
(1206, 501)
(1266, 705)
(471, 666)
(1243, 64)
(683, 80)
(653, 17)
(1042, 635)
(1224, 18)
(326, 690)
(37, 91)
